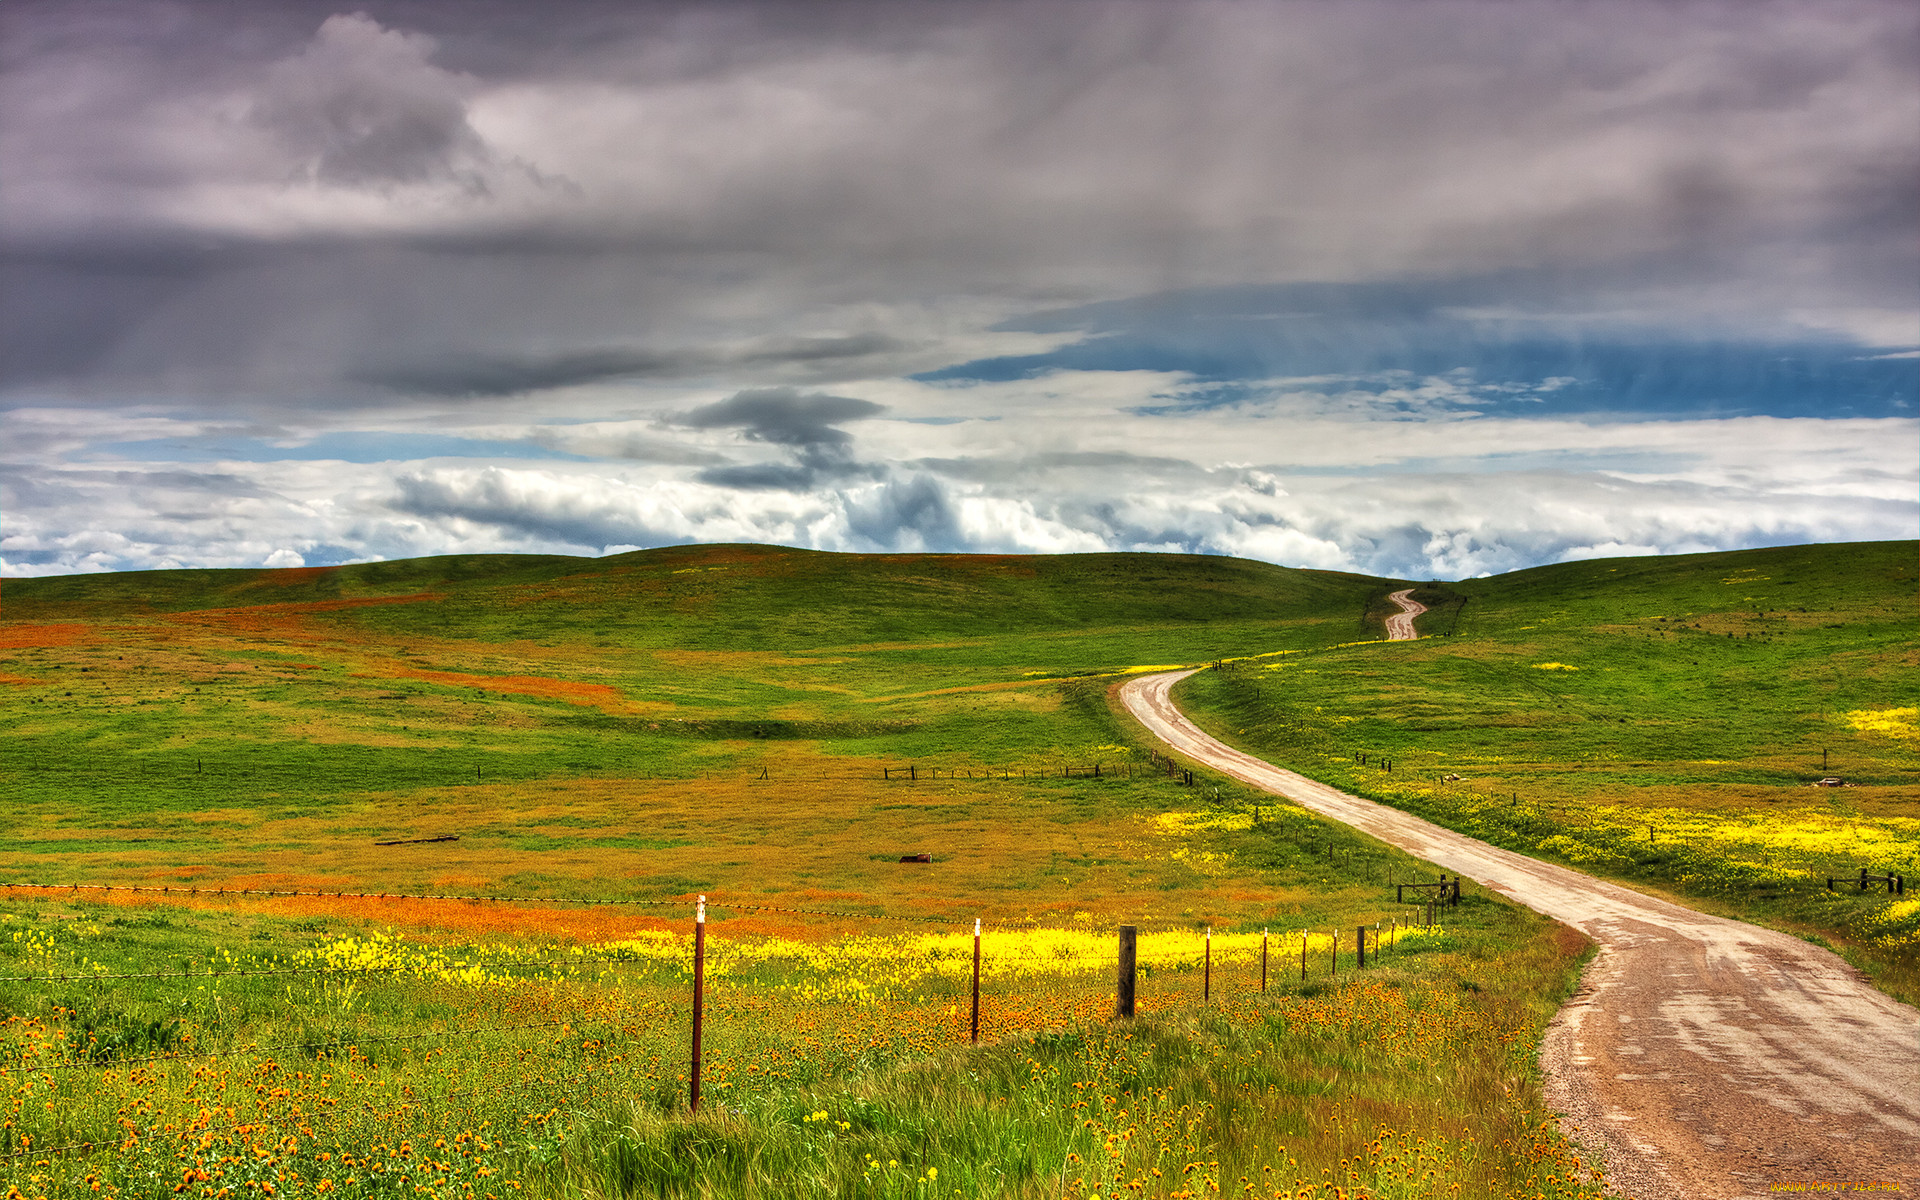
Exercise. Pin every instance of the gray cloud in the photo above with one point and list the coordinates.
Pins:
(784, 416)
(737, 172)
(460, 213)
(482, 375)
(479, 376)
(502, 499)
(807, 423)
(914, 513)
(362, 106)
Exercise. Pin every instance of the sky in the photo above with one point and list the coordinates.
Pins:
(1425, 290)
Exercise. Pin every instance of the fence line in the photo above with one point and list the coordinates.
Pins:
(131, 1139)
(168, 890)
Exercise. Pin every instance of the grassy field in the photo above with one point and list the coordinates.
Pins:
(1655, 720)
(734, 721)
(665, 722)
(836, 1064)
(731, 721)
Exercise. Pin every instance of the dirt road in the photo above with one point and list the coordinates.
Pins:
(1703, 1057)
(1400, 624)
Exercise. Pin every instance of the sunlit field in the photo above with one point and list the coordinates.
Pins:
(320, 1057)
(1660, 721)
(522, 772)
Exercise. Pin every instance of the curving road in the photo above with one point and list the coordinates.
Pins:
(1400, 624)
(1702, 1057)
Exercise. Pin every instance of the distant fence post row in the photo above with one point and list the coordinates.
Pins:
(1896, 884)
(911, 773)
(1126, 981)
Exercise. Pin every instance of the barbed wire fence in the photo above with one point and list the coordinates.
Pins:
(1385, 934)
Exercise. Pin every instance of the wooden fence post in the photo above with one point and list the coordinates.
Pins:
(1263, 960)
(976, 982)
(1360, 948)
(1303, 956)
(1123, 992)
(699, 999)
(1333, 954)
(1206, 980)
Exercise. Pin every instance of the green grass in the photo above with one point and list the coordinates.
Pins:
(718, 719)
(1705, 694)
(1424, 1057)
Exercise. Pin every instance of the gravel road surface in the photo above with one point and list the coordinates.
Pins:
(1400, 624)
(1702, 1057)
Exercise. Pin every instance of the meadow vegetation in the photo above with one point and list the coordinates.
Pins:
(734, 721)
(836, 1063)
(1659, 721)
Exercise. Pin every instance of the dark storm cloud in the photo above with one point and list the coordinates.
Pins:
(807, 423)
(479, 375)
(512, 183)
(784, 416)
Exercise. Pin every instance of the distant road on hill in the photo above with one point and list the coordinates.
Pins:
(1400, 624)
(1704, 1057)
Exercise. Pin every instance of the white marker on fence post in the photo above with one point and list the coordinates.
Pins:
(976, 981)
(699, 987)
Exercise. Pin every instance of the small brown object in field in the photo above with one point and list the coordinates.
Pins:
(925, 858)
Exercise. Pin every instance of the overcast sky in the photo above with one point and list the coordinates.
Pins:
(1420, 289)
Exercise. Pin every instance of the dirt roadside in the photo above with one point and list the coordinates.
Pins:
(1701, 1057)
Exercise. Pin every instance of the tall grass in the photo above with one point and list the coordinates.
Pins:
(833, 1069)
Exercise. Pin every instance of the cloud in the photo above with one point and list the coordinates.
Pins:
(483, 375)
(914, 513)
(1425, 288)
(807, 423)
(361, 106)
(784, 416)
(335, 193)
